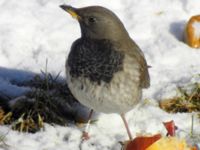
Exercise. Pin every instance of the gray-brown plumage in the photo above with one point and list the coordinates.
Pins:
(106, 70)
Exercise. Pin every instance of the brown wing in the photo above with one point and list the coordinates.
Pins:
(144, 76)
(144, 73)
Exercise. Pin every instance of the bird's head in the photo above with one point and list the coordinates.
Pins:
(97, 22)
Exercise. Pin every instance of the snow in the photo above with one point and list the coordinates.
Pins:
(38, 30)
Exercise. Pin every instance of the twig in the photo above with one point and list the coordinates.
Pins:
(46, 75)
(192, 126)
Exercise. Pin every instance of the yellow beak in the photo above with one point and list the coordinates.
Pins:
(71, 11)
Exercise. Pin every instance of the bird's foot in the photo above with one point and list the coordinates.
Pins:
(85, 136)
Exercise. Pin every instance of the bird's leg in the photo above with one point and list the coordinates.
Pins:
(85, 135)
(126, 125)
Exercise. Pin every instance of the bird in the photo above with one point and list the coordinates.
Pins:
(105, 69)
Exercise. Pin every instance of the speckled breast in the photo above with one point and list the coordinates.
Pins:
(102, 78)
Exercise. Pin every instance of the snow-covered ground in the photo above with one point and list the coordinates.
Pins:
(36, 30)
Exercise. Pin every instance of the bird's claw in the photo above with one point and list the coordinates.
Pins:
(85, 136)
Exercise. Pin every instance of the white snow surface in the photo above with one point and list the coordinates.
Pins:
(36, 30)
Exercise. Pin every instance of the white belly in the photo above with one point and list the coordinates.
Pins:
(118, 96)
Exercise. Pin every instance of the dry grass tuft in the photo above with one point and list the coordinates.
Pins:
(186, 102)
(3, 144)
(5, 118)
(49, 100)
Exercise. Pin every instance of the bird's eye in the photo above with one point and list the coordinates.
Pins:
(92, 19)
